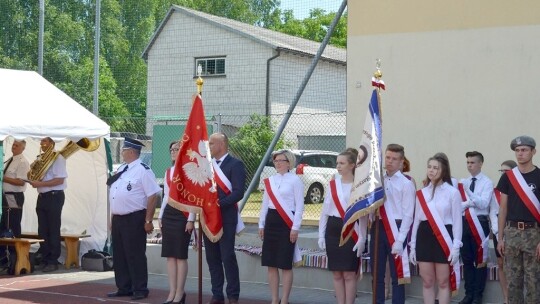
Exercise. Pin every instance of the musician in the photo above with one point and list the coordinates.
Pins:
(133, 196)
(279, 223)
(49, 206)
(220, 255)
(519, 216)
(15, 172)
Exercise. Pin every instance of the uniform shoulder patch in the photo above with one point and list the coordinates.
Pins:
(145, 166)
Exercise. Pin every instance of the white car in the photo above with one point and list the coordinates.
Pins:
(315, 168)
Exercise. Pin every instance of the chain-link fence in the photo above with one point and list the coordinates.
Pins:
(253, 56)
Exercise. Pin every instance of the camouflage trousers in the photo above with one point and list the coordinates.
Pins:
(521, 267)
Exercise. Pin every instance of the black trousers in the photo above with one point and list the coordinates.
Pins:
(129, 252)
(220, 256)
(475, 278)
(11, 217)
(49, 213)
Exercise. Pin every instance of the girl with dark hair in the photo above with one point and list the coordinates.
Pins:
(437, 230)
(342, 261)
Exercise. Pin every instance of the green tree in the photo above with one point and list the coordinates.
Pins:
(251, 142)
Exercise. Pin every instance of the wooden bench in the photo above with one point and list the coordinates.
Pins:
(72, 246)
(22, 249)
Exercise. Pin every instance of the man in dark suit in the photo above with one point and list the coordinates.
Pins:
(221, 255)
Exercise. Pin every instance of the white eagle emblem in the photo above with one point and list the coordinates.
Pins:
(200, 171)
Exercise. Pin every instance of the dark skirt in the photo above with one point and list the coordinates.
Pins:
(428, 248)
(175, 239)
(277, 249)
(339, 258)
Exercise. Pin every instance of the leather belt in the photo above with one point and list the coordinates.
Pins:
(521, 225)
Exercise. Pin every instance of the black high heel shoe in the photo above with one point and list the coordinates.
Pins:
(182, 300)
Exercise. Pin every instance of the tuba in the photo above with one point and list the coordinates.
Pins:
(44, 161)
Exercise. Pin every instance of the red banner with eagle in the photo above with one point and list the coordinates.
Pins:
(193, 186)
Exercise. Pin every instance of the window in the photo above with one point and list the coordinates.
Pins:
(211, 66)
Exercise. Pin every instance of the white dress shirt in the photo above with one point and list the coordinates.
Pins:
(18, 168)
(447, 203)
(57, 170)
(291, 190)
(329, 207)
(400, 197)
(131, 191)
(481, 197)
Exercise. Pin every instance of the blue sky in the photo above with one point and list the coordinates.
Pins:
(301, 8)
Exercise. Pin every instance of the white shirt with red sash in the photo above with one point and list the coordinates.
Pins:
(335, 204)
(480, 238)
(226, 186)
(285, 194)
(443, 209)
(168, 177)
(524, 192)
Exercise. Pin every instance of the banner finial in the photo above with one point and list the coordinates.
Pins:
(199, 80)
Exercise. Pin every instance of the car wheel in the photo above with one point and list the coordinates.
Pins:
(315, 194)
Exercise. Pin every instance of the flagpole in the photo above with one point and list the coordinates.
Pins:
(377, 75)
(199, 83)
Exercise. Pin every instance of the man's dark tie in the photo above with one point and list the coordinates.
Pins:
(471, 187)
(218, 162)
(115, 177)
(8, 163)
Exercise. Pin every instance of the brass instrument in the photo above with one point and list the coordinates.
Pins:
(44, 161)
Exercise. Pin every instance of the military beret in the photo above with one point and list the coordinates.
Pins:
(523, 140)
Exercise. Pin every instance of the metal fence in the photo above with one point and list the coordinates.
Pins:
(251, 58)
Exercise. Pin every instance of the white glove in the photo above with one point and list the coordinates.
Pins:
(397, 248)
(412, 256)
(322, 243)
(464, 206)
(453, 258)
(359, 247)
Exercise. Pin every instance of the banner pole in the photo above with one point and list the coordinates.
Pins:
(199, 246)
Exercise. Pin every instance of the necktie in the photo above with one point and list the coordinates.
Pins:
(115, 177)
(473, 184)
(218, 162)
(8, 163)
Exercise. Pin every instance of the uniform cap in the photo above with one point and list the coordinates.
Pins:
(523, 140)
(130, 143)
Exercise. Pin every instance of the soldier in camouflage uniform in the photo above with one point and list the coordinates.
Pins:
(520, 216)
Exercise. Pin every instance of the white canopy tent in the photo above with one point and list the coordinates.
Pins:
(32, 108)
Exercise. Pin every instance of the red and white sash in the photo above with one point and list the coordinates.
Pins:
(524, 192)
(339, 201)
(497, 194)
(285, 214)
(226, 186)
(391, 229)
(479, 236)
(443, 237)
(168, 176)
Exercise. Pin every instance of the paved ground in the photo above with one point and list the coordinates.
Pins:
(77, 286)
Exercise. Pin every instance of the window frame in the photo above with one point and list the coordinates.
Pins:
(215, 60)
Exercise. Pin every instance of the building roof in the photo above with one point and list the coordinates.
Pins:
(273, 39)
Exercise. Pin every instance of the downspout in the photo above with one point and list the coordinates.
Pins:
(267, 105)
